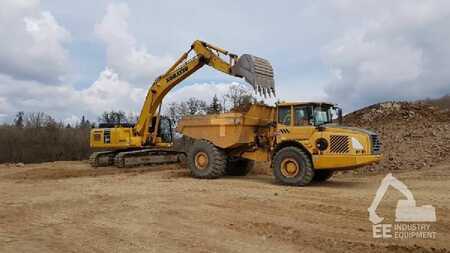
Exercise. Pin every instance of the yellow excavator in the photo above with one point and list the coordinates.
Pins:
(149, 141)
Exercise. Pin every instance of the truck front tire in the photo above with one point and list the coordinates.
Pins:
(292, 166)
(239, 166)
(205, 160)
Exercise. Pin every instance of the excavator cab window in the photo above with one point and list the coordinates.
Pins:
(165, 130)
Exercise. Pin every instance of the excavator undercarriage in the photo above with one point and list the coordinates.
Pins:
(133, 158)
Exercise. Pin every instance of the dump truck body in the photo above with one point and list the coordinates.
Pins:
(228, 130)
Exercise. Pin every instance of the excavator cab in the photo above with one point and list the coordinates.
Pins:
(118, 135)
(165, 130)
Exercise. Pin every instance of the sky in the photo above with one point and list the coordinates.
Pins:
(74, 58)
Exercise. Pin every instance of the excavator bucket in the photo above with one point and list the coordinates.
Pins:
(258, 72)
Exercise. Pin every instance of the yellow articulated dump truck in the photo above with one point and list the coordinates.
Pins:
(300, 141)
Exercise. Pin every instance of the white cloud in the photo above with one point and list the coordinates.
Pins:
(4, 107)
(134, 63)
(399, 50)
(110, 92)
(32, 45)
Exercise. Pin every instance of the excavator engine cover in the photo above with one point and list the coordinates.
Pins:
(256, 71)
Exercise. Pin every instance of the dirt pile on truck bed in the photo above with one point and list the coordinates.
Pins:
(414, 135)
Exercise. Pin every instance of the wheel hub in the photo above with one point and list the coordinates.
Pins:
(289, 167)
(201, 160)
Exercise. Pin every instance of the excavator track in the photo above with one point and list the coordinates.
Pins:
(102, 158)
(151, 156)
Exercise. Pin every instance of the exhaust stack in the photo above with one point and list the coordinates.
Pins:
(258, 72)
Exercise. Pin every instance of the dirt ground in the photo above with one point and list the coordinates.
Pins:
(69, 207)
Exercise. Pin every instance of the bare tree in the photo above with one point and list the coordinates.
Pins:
(195, 106)
(192, 106)
(239, 97)
(39, 120)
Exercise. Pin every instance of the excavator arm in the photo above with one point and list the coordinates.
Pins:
(256, 71)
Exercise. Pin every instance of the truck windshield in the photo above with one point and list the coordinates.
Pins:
(323, 115)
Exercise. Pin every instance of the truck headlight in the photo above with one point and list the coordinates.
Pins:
(356, 144)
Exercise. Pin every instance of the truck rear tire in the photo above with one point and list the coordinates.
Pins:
(205, 160)
(239, 166)
(292, 166)
(322, 175)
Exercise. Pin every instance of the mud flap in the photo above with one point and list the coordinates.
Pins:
(257, 71)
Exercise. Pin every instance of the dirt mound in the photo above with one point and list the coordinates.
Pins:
(402, 112)
(414, 135)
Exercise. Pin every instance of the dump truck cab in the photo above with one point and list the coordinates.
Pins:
(316, 128)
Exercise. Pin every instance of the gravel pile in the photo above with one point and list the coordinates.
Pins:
(414, 135)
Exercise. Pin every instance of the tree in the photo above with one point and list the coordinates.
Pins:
(192, 106)
(195, 106)
(173, 113)
(215, 106)
(240, 98)
(18, 121)
(40, 120)
(113, 117)
(84, 123)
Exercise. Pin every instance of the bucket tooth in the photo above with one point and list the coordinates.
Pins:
(258, 72)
